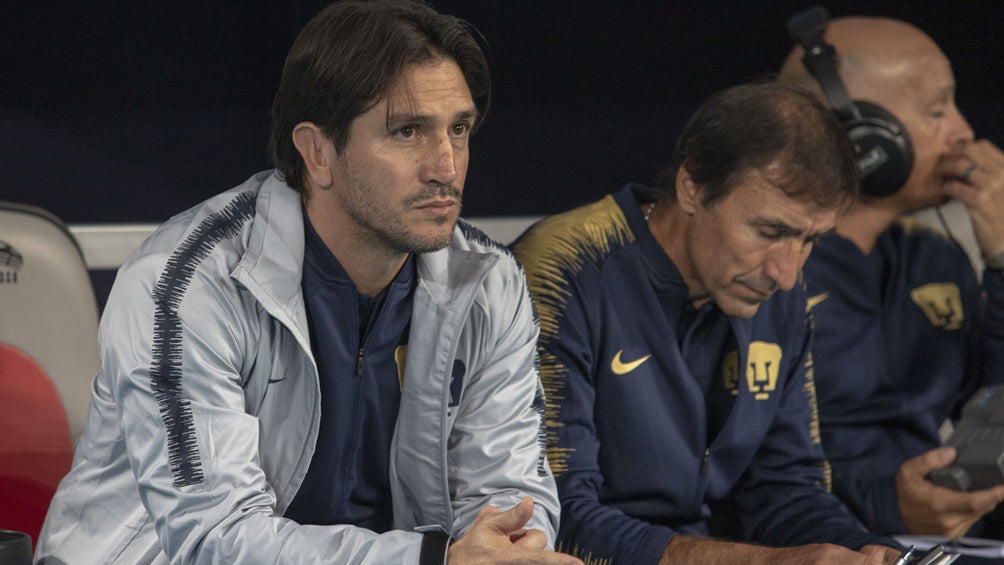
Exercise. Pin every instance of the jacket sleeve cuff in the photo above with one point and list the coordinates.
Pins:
(434, 547)
(887, 517)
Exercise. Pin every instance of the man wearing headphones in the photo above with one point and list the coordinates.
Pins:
(904, 330)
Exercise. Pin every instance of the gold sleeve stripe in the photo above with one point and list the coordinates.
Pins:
(810, 393)
(552, 377)
(557, 248)
(552, 253)
(587, 557)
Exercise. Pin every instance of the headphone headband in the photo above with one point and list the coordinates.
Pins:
(883, 149)
(820, 58)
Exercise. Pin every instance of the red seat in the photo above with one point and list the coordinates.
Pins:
(37, 456)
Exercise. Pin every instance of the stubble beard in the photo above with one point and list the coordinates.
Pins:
(381, 222)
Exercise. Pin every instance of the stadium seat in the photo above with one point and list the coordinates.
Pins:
(48, 358)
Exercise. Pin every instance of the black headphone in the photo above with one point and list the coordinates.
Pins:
(884, 151)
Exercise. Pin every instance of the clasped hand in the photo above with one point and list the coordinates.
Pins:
(500, 537)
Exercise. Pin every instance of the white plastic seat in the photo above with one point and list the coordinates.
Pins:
(48, 358)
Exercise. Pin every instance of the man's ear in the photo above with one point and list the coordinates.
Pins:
(317, 152)
(688, 193)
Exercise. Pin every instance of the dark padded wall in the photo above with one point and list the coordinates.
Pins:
(130, 112)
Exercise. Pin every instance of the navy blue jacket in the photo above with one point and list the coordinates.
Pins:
(903, 337)
(629, 420)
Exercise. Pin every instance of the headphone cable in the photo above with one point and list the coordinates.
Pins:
(944, 224)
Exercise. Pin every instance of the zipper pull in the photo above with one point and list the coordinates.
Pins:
(704, 463)
(359, 362)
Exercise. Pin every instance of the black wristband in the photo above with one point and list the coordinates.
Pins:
(434, 546)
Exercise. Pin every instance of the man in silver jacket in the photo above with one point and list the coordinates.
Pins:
(207, 411)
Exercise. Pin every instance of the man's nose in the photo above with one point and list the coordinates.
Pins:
(784, 264)
(441, 162)
(959, 129)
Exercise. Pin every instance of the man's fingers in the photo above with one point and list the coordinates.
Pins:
(880, 553)
(512, 519)
(485, 513)
(546, 558)
(530, 539)
(983, 501)
(979, 151)
(969, 504)
(924, 463)
(985, 154)
(500, 537)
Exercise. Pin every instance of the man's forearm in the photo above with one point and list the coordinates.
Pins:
(684, 550)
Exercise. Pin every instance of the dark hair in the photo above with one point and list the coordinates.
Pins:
(348, 57)
(766, 124)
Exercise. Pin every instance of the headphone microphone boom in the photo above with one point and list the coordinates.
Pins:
(884, 151)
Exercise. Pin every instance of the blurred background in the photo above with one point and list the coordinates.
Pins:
(134, 111)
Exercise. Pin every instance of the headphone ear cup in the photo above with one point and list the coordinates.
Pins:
(884, 151)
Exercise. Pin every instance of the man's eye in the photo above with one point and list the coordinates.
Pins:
(407, 132)
(461, 129)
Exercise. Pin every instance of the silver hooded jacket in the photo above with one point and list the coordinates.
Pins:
(204, 414)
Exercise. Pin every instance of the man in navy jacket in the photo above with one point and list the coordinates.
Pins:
(675, 345)
(904, 330)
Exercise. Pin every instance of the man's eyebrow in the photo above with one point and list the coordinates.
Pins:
(778, 226)
(471, 115)
(783, 229)
(942, 94)
(424, 119)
